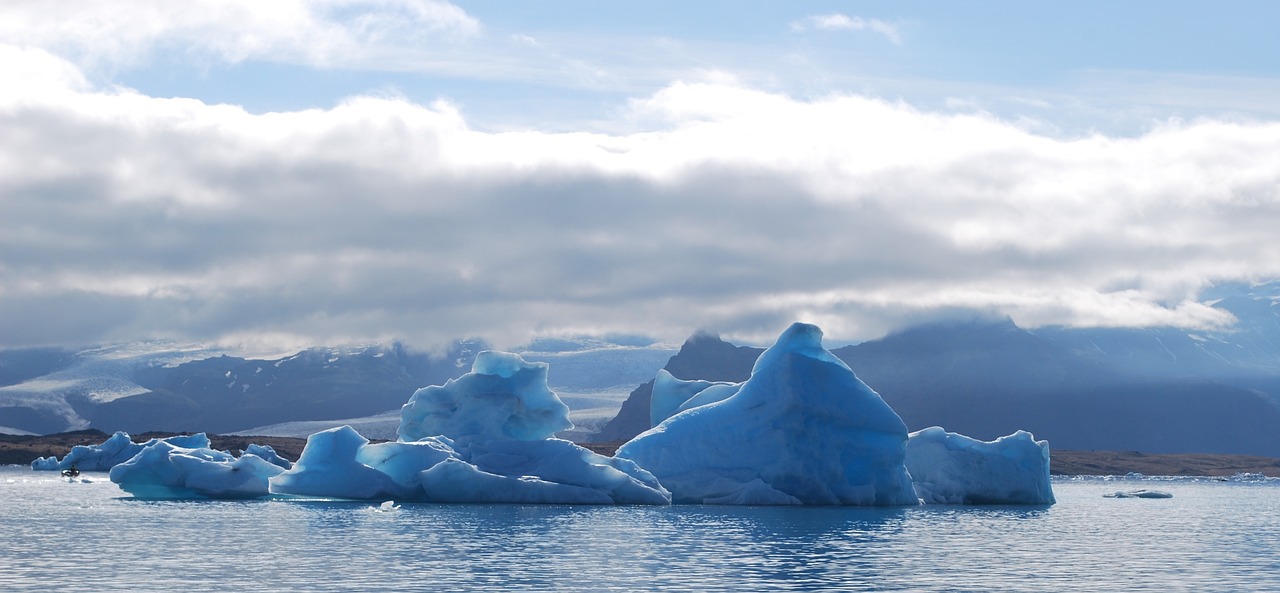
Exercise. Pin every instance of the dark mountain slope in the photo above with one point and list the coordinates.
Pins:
(702, 356)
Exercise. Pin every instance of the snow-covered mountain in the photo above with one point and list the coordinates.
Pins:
(163, 386)
(166, 386)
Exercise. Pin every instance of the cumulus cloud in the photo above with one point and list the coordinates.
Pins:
(842, 22)
(324, 33)
(128, 216)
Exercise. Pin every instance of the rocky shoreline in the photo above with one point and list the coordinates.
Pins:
(22, 450)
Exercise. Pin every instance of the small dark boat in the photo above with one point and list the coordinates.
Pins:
(70, 473)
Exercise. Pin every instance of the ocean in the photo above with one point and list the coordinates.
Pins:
(86, 535)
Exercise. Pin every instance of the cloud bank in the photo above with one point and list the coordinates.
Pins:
(125, 216)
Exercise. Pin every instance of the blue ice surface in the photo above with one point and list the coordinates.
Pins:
(503, 397)
(803, 429)
(483, 437)
(162, 470)
(950, 468)
(117, 449)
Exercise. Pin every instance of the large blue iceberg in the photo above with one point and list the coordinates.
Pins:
(483, 437)
(802, 430)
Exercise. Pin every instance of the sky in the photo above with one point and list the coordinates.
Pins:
(274, 175)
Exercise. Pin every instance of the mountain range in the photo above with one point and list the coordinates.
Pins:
(1156, 390)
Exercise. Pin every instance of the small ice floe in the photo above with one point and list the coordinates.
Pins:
(386, 507)
(1143, 493)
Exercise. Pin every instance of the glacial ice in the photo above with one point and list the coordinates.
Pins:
(502, 397)
(483, 437)
(950, 468)
(268, 454)
(802, 430)
(163, 470)
(117, 449)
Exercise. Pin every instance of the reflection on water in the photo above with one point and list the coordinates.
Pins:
(87, 537)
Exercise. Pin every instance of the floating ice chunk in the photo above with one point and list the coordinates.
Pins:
(502, 397)
(163, 470)
(1141, 493)
(950, 468)
(802, 430)
(389, 506)
(117, 449)
(339, 463)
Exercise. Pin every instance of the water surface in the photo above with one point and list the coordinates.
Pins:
(87, 536)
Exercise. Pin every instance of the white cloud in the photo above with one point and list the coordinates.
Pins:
(323, 33)
(129, 216)
(842, 22)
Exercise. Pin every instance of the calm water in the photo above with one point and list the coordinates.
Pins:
(1211, 536)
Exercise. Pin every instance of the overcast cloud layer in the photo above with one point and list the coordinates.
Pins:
(125, 216)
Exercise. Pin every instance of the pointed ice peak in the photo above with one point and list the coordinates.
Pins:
(801, 338)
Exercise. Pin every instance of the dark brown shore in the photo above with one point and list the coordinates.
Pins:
(22, 450)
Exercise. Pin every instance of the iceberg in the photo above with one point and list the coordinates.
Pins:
(503, 397)
(483, 437)
(950, 468)
(117, 449)
(803, 429)
(163, 470)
